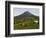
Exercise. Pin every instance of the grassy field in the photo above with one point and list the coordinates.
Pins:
(26, 23)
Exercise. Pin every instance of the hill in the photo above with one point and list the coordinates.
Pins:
(26, 21)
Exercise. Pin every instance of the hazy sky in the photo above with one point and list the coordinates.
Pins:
(18, 11)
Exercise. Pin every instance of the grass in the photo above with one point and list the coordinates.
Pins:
(26, 23)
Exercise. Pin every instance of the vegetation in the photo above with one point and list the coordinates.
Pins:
(26, 22)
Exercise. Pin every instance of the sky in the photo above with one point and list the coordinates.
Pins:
(18, 11)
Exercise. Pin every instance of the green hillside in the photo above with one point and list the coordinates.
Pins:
(26, 22)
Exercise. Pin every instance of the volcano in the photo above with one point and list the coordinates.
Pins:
(26, 14)
(26, 20)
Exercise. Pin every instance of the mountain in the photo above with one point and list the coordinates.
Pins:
(26, 14)
(26, 21)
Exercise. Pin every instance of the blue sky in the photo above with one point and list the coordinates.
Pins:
(18, 11)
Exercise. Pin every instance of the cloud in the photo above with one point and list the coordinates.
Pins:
(18, 11)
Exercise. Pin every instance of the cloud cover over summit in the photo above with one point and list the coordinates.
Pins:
(19, 11)
(26, 14)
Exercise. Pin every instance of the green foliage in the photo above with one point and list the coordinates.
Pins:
(26, 23)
